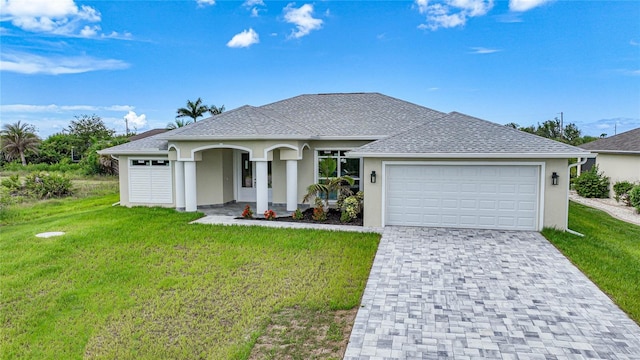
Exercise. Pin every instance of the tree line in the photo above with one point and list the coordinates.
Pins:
(554, 129)
(80, 140)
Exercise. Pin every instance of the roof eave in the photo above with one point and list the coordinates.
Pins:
(135, 152)
(473, 155)
(620, 152)
(227, 138)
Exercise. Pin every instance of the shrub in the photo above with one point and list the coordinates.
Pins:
(12, 184)
(621, 190)
(247, 213)
(318, 211)
(592, 184)
(634, 197)
(269, 214)
(350, 209)
(297, 215)
(44, 186)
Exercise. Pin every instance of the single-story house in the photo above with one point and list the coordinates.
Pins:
(618, 156)
(416, 166)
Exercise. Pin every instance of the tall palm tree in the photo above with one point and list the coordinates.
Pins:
(193, 110)
(214, 110)
(178, 123)
(17, 139)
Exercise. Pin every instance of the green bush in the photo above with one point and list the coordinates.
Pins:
(351, 207)
(634, 197)
(621, 190)
(38, 185)
(592, 184)
(63, 166)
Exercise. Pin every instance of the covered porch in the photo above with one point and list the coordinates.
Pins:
(222, 177)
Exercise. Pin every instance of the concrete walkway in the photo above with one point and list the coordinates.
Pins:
(475, 294)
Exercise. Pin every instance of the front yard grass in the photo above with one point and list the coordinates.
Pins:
(609, 254)
(142, 283)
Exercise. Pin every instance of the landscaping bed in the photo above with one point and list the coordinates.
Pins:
(333, 218)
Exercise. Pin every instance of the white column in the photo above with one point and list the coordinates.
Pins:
(262, 187)
(292, 185)
(179, 177)
(190, 193)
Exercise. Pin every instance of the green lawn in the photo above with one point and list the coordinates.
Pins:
(609, 254)
(142, 283)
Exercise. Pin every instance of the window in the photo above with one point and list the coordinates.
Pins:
(344, 167)
(140, 162)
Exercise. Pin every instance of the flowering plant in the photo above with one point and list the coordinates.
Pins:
(247, 213)
(269, 214)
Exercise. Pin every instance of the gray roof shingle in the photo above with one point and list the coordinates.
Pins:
(414, 129)
(149, 145)
(628, 141)
(465, 135)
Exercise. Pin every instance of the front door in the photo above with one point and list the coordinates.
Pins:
(246, 184)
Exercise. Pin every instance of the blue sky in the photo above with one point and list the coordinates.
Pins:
(521, 61)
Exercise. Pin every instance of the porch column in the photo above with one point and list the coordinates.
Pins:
(191, 194)
(262, 187)
(179, 180)
(292, 185)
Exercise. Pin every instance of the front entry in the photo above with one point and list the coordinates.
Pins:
(246, 178)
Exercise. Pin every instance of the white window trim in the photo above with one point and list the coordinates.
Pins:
(316, 159)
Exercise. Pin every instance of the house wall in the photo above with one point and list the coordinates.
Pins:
(554, 199)
(210, 177)
(619, 167)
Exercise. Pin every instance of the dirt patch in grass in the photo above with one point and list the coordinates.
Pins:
(297, 333)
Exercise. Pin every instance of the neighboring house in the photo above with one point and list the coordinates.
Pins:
(417, 166)
(618, 156)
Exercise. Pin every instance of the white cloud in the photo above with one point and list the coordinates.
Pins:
(25, 63)
(250, 3)
(482, 50)
(244, 39)
(525, 5)
(451, 13)
(53, 108)
(634, 43)
(60, 17)
(203, 3)
(89, 31)
(135, 121)
(302, 18)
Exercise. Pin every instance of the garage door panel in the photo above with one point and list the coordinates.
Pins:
(488, 196)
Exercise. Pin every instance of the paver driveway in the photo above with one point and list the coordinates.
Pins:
(464, 294)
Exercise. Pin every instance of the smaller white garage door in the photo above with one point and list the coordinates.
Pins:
(469, 196)
(150, 182)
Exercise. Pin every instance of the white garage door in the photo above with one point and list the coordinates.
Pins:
(476, 196)
(150, 182)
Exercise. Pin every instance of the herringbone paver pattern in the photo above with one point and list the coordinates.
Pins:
(476, 294)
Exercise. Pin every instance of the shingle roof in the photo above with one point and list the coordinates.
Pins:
(243, 122)
(625, 142)
(367, 116)
(465, 135)
(149, 145)
(147, 134)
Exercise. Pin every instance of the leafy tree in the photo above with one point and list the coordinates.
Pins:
(178, 123)
(214, 110)
(57, 147)
(572, 134)
(96, 164)
(88, 130)
(193, 110)
(550, 129)
(17, 139)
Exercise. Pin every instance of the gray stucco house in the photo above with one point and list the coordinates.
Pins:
(416, 166)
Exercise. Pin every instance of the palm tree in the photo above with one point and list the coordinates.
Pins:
(214, 110)
(193, 110)
(178, 123)
(339, 184)
(17, 139)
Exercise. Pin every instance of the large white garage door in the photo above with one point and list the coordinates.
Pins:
(150, 182)
(468, 196)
